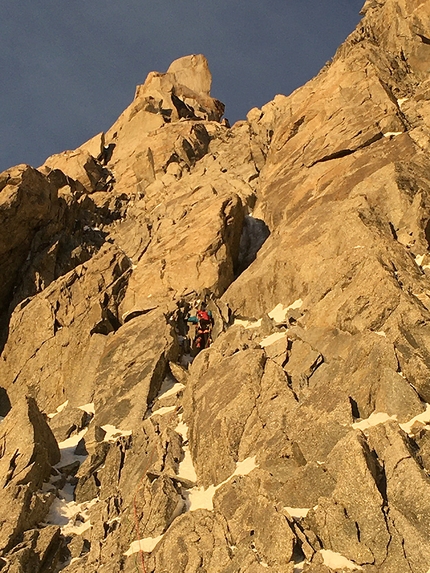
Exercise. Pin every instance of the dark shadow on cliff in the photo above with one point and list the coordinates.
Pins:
(5, 404)
(254, 234)
(56, 249)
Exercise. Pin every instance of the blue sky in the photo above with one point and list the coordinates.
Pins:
(69, 69)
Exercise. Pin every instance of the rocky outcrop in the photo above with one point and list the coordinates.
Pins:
(299, 439)
(28, 452)
(28, 202)
(69, 320)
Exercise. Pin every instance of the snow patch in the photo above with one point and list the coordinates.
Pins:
(88, 408)
(163, 411)
(297, 512)
(67, 449)
(243, 468)
(400, 102)
(72, 517)
(146, 545)
(392, 133)
(169, 387)
(113, 433)
(280, 312)
(337, 561)
(424, 418)
(374, 419)
(200, 498)
(381, 333)
(247, 323)
(359, 247)
(419, 259)
(182, 429)
(380, 417)
(272, 339)
(186, 467)
(58, 410)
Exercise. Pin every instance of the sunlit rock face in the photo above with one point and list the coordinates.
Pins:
(299, 439)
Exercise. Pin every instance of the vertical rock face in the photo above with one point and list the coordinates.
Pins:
(299, 440)
(28, 450)
(28, 202)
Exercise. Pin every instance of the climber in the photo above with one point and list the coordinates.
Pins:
(106, 153)
(179, 322)
(204, 323)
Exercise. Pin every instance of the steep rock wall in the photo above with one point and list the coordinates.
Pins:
(299, 441)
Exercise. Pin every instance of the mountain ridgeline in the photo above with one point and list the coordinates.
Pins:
(299, 440)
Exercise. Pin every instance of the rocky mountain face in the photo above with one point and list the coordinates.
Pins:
(300, 440)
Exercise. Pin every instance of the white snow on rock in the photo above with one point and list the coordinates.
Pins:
(88, 408)
(247, 323)
(400, 102)
(67, 449)
(297, 512)
(200, 498)
(113, 433)
(273, 338)
(182, 428)
(392, 133)
(337, 561)
(380, 417)
(419, 259)
(163, 411)
(374, 419)
(381, 333)
(58, 410)
(186, 467)
(279, 313)
(72, 517)
(359, 247)
(169, 387)
(243, 468)
(424, 418)
(146, 545)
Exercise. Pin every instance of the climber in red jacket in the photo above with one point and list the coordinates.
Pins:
(204, 322)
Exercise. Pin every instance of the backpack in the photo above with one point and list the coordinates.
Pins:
(203, 316)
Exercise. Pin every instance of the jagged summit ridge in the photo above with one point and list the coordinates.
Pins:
(299, 441)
